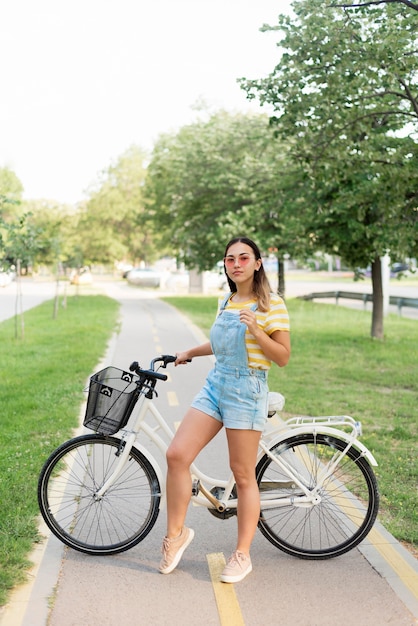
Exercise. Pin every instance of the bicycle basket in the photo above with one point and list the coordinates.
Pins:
(112, 396)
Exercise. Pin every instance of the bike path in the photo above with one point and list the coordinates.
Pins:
(374, 585)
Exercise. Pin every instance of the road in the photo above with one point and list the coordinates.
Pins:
(374, 585)
(34, 292)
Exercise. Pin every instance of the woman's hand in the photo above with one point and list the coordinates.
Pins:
(187, 355)
(182, 358)
(248, 317)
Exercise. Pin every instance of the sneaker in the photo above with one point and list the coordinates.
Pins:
(173, 550)
(237, 568)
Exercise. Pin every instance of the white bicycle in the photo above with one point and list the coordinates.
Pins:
(102, 493)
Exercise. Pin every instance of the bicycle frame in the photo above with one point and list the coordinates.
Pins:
(147, 419)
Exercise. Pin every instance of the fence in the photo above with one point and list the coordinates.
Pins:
(398, 301)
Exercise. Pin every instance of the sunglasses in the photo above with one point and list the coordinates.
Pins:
(242, 260)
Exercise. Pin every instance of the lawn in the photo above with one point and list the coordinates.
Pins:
(336, 368)
(41, 391)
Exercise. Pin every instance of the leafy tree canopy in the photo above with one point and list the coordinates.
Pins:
(111, 227)
(215, 179)
(11, 190)
(345, 92)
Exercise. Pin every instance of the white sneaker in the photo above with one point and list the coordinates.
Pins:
(237, 568)
(173, 550)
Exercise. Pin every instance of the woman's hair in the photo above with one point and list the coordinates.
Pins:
(261, 285)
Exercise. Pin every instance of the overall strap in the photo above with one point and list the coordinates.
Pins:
(224, 301)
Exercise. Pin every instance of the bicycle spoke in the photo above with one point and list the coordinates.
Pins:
(68, 499)
(347, 497)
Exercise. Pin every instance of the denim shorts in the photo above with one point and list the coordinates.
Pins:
(236, 397)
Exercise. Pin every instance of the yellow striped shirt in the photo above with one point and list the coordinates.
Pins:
(277, 318)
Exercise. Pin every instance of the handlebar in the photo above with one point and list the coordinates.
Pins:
(151, 373)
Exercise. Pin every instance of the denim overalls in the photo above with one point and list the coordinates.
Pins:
(233, 393)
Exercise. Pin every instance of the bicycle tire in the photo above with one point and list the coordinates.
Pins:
(349, 498)
(67, 485)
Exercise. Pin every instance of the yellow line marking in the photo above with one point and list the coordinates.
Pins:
(15, 609)
(400, 567)
(172, 398)
(406, 573)
(226, 599)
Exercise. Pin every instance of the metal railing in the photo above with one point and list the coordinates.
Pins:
(398, 301)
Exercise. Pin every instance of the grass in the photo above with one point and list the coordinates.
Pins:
(336, 368)
(41, 390)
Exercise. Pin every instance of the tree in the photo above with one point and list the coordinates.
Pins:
(345, 92)
(10, 208)
(11, 190)
(367, 3)
(215, 179)
(57, 237)
(111, 224)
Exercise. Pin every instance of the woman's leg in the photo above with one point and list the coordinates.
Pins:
(193, 434)
(243, 446)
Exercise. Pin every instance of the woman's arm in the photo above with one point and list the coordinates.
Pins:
(205, 349)
(276, 347)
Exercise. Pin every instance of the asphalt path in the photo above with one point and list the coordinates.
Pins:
(16, 298)
(372, 585)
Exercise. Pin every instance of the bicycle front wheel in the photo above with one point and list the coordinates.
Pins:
(341, 516)
(67, 495)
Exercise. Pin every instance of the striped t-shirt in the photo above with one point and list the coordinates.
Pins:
(277, 318)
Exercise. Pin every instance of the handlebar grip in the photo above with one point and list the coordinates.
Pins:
(157, 375)
(135, 367)
(152, 373)
(169, 358)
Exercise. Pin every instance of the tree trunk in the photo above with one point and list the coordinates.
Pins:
(377, 287)
(18, 304)
(280, 278)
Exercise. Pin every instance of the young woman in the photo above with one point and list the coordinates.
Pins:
(250, 331)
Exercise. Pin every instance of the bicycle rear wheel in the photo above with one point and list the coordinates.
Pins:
(348, 503)
(67, 490)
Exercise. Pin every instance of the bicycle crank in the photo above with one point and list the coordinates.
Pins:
(222, 512)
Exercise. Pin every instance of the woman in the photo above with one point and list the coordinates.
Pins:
(250, 332)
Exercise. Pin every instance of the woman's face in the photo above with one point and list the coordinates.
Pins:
(240, 262)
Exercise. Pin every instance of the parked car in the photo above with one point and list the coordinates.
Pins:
(144, 277)
(397, 268)
(6, 277)
(81, 277)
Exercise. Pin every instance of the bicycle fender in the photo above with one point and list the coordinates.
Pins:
(322, 430)
(157, 470)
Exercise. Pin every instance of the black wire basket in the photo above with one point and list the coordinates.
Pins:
(112, 396)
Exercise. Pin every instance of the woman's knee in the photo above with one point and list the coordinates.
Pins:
(176, 456)
(244, 475)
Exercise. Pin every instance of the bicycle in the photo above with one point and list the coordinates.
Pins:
(101, 493)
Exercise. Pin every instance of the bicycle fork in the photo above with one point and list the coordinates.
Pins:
(123, 452)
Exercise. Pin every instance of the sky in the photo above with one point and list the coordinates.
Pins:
(83, 80)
